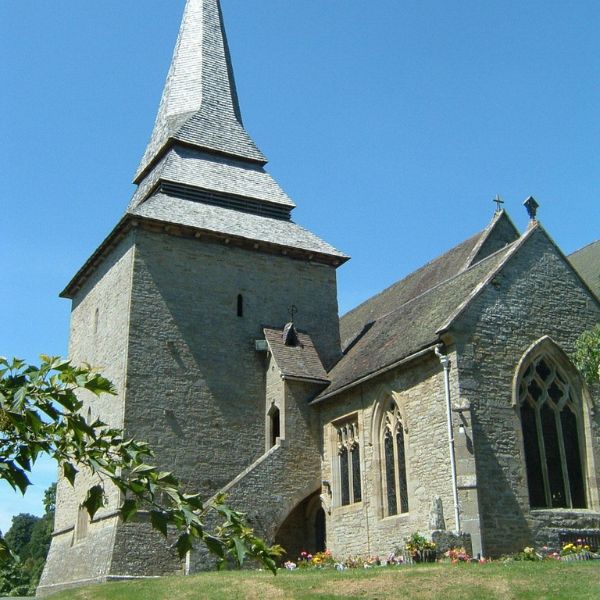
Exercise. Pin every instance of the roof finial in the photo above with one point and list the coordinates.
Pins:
(531, 206)
(499, 202)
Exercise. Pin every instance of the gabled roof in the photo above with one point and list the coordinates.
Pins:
(586, 262)
(199, 106)
(496, 235)
(411, 326)
(418, 322)
(297, 361)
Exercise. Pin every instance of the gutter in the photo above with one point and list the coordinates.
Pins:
(305, 379)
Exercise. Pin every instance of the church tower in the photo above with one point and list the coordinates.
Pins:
(183, 305)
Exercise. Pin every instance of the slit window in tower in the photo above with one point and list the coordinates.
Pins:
(275, 427)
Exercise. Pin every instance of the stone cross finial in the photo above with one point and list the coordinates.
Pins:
(293, 311)
(499, 202)
(531, 206)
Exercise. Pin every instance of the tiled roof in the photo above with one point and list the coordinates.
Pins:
(586, 262)
(411, 326)
(199, 105)
(298, 361)
(227, 221)
(500, 232)
(198, 169)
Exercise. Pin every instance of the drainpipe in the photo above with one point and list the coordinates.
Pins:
(445, 362)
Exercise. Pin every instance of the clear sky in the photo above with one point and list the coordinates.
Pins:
(391, 123)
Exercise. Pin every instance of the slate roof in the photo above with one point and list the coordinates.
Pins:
(201, 170)
(232, 222)
(586, 262)
(412, 325)
(199, 105)
(300, 361)
(499, 233)
(228, 176)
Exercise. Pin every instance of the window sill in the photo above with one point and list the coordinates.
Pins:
(563, 511)
(348, 508)
(395, 517)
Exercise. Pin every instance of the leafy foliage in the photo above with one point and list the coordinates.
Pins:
(14, 579)
(29, 541)
(40, 413)
(587, 354)
(19, 534)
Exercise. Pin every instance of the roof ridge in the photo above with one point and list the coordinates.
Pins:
(420, 269)
(478, 264)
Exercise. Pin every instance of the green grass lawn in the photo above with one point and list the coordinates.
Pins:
(572, 581)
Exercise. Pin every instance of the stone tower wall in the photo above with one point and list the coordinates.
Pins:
(196, 384)
(99, 336)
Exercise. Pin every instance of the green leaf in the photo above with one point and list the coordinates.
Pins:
(159, 521)
(143, 468)
(94, 500)
(5, 552)
(215, 545)
(183, 544)
(129, 509)
(70, 472)
(20, 479)
(240, 549)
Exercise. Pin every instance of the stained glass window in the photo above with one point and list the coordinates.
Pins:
(551, 435)
(394, 463)
(348, 463)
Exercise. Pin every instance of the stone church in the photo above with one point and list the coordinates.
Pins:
(452, 387)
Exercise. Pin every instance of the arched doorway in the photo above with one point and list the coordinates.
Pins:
(304, 528)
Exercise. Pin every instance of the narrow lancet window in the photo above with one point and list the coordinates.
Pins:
(348, 463)
(240, 305)
(393, 461)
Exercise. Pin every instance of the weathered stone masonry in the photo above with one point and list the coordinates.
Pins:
(216, 317)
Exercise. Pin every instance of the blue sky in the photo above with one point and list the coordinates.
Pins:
(391, 123)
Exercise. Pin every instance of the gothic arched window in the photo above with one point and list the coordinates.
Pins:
(348, 463)
(393, 461)
(551, 415)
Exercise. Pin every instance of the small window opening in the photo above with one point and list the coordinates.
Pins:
(81, 527)
(275, 427)
(240, 305)
(96, 317)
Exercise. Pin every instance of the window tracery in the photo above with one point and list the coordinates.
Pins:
(348, 458)
(550, 412)
(393, 460)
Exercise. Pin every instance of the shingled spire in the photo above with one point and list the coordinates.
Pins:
(199, 106)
